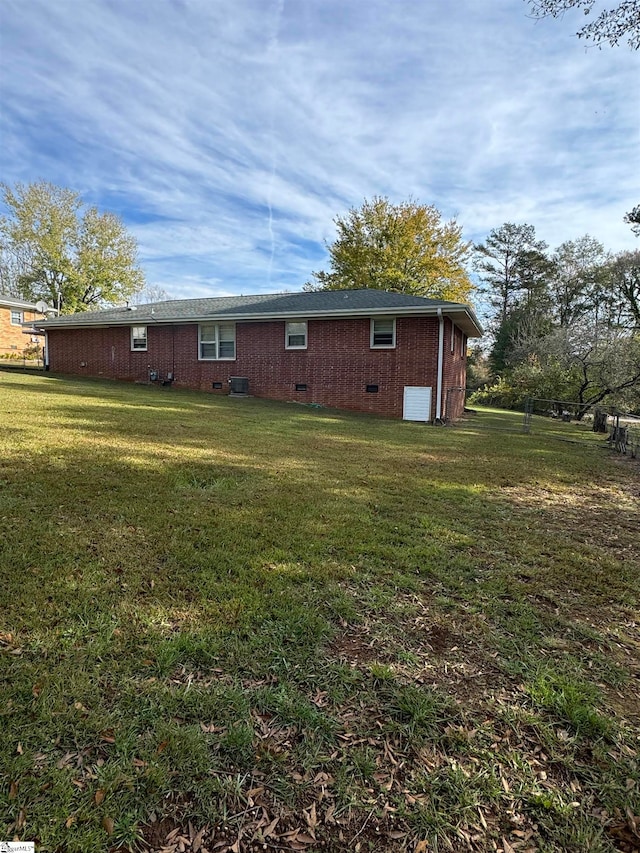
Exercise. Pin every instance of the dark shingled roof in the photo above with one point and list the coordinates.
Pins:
(270, 306)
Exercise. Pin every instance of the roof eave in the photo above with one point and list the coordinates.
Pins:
(462, 315)
(8, 302)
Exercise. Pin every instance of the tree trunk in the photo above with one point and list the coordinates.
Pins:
(599, 421)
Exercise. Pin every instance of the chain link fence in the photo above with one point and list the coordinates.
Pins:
(622, 429)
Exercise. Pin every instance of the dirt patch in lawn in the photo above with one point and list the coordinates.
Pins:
(355, 650)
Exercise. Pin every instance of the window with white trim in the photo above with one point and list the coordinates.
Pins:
(217, 341)
(139, 338)
(16, 318)
(383, 332)
(295, 336)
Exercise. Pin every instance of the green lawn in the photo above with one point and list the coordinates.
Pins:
(259, 626)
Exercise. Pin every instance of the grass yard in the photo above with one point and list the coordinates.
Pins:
(235, 625)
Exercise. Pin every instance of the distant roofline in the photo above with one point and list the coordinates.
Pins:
(11, 302)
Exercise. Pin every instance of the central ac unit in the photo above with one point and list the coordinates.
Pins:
(239, 385)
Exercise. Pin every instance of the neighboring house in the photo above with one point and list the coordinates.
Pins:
(366, 350)
(13, 313)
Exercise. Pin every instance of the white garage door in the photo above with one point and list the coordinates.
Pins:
(417, 403)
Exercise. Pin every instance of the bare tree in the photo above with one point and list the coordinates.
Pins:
(596, 364)
(609, 26)
(633, 218)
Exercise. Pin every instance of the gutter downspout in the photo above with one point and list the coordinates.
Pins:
(438, 419)
(46, 350)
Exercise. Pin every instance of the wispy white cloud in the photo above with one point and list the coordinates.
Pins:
(228, 136)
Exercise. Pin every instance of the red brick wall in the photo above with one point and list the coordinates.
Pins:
(454, 371)
(337, 365)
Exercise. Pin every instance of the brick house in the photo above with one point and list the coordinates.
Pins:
(366, 350)
(13, 313)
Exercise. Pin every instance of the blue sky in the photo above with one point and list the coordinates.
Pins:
(228, 134)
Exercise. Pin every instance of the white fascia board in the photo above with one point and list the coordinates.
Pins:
(464, 316)
(41, 327)
(9, 302)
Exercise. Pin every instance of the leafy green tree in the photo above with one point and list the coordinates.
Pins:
(565, 327)
(478, 373)
(512, 336)
(515, 271)
(510, 261)
(624, 271)
(577, 281)
(404, 248)
(534, 270)
(610, 26)
(500, 354)
(54, 250)
(10, 267)
(594, 289)
(568, 365)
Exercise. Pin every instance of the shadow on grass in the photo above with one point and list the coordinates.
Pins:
(176, 570)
